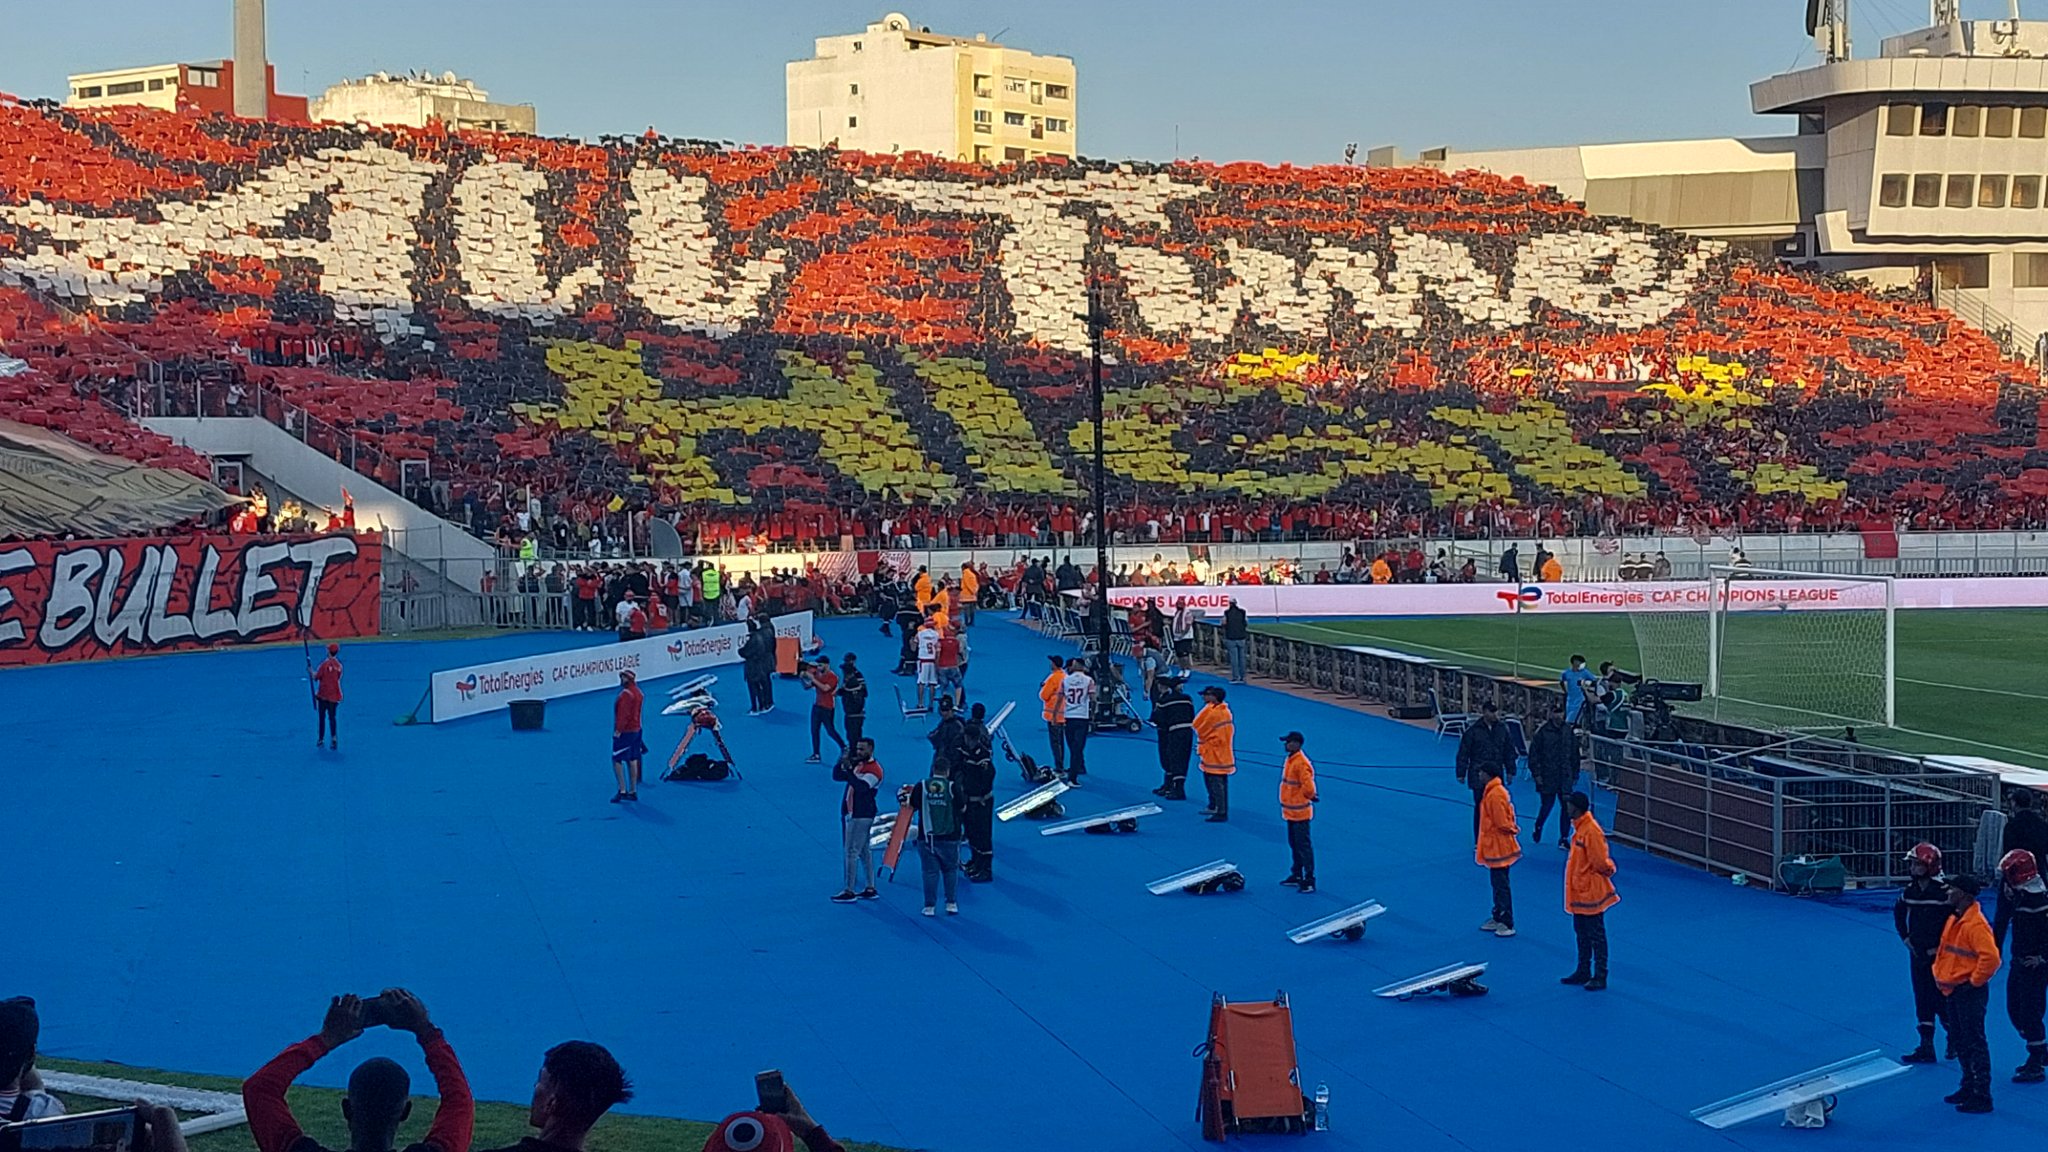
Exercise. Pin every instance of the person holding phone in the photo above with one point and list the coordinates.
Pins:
(379, 1091)
(775, 1126)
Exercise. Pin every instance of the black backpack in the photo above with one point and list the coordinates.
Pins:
(698, 766)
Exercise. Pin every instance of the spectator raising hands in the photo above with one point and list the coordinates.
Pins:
(379, 1090)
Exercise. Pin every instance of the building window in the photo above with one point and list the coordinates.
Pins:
(1055, 124)
(1037, 92)
(1901, 119)
(1926, 191)
(1934, 119)
(2026, 191)
(2033, 123)
(1014, 119)
(853, 89)
(127, 88)
(982, 115)
(1964, 272)
(1015, 85)
(981, 153)
(1013, 154)
(1968, 119)
(1998, 123)
(856, 45)
(1891, 190)
(204, 78)
(1056, 92)
(2030, 270)
(1991, 192)
(1962, 191)
(1037, 128)
(853, 121)
(983, 86)
(156, 85)
(92, 93)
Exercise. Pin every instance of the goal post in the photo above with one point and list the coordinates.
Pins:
(1779, 648)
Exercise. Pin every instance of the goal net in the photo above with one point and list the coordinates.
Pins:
(1777, 648)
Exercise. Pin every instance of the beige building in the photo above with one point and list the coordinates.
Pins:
(206, 86)
(420, 99)
(900, 88)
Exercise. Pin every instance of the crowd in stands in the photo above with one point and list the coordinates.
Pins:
(578, 1083)
(788, 348)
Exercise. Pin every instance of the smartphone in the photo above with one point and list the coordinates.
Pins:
(114, 1130)
(774, 1094)
(376, 1011)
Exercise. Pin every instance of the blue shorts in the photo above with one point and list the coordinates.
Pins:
(628, 746)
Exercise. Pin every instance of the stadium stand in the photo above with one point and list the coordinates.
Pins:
(802, 345)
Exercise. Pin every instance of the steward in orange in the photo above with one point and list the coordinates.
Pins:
(1215, 740)
(1963, 970)
(1588, 892)
(970, 594)
(1382, 572)
(1053, 695)
(1298, 809)
(1500, 845)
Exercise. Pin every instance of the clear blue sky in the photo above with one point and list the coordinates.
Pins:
(1293, 83)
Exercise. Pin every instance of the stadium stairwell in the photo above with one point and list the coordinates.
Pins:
(311, 475)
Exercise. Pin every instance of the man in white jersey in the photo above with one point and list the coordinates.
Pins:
(1078, 696)
(927, 664)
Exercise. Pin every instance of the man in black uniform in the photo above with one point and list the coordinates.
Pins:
(853, 697)
(947, 737)
(2026, 831)
(1920, 915)
(1486, 744)
(1173, 713)
(2026, 981)
(977, 781)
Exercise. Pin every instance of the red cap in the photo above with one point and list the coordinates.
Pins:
(751, 1132)
(334, 649)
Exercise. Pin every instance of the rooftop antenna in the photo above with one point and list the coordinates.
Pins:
(1947, 12)
(1827, 21)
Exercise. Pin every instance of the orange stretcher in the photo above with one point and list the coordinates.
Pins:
(1250, 1082)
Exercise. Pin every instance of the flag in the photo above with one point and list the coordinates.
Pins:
(618, 502)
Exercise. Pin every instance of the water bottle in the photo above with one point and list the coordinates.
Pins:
(1740, 880)
(1323, 1107)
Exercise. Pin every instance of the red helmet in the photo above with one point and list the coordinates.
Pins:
(1927, 854)
(2018, 867)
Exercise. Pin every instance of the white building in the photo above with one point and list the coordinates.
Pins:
(420, 99)
(899, 88)
(1927, 164)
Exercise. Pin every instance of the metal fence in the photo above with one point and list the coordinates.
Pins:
(1751, 810)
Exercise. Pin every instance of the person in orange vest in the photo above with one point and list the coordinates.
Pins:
(1552, 572)
(1963, 970)
(970, 593)
(1588, 892)
(1053, 695)
(1382, 572)
(1215, 744)
(1500, 845)
(1298, 809)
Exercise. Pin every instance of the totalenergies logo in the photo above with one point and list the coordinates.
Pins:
(1522, 599)
(675, 650)
(467, 686)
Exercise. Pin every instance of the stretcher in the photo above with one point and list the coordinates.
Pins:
(1031, 801)
(1805, 1100)
(1251, 1082)
(1346, 925)
(1114, 820)
(1456, 979)
(1215, 876)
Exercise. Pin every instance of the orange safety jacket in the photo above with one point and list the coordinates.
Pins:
(1215, 734)
(1297, 788)
(1500, 842)
(1968, 954)
(1588, 871)
(1051, 694)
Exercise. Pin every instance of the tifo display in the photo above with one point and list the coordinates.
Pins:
(806, 344)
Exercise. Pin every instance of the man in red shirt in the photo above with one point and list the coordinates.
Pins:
(628, 748)
(379, 1090)
(820, 678)
(327, 696)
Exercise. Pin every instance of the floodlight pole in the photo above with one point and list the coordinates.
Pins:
(1099, 612)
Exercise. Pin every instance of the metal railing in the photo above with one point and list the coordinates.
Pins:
(1750, 811)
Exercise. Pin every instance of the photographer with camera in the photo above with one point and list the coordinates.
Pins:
(21, 1090)
(379, 1090)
